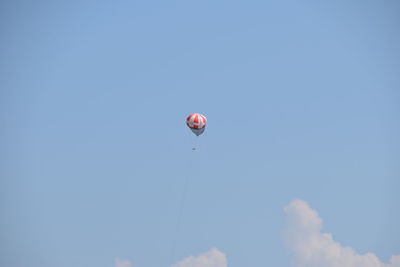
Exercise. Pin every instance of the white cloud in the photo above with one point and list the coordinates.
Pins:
(122, 263)
(312, 248)
(212, 258)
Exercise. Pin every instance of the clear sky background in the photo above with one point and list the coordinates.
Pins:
(302, 100)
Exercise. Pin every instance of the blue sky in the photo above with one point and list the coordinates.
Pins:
(302, 101)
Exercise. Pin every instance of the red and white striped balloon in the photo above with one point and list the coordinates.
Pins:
(196, 121)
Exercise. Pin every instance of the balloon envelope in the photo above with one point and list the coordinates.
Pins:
(197, 123)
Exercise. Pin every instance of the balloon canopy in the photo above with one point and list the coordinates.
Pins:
(197, 123)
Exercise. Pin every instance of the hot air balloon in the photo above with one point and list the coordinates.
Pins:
(197, 123)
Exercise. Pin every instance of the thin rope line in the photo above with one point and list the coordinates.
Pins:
(180, 217)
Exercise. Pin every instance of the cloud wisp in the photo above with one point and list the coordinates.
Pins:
(313, 248)
(212, 258)
(122, 263)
